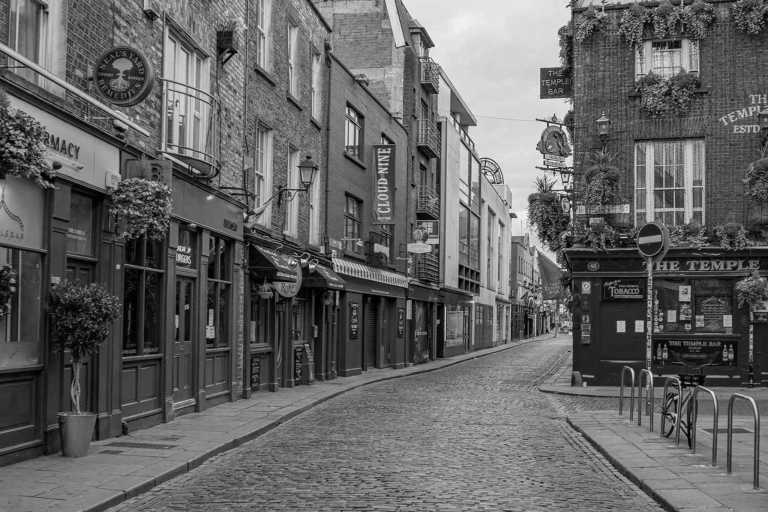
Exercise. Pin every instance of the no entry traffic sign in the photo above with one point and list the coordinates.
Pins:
(651, 239)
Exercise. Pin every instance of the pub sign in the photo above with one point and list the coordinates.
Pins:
(384, 183)
(555, 83)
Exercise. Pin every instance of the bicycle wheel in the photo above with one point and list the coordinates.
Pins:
(670, 414)
(687, 424)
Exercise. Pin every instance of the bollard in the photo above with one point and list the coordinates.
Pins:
(632, 391)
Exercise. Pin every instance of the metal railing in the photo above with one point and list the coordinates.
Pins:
(426, 138)
(695, 419)
(428, 202)
(190, 126)
(632, 391)
(648, 397)
(667, 380)
(430, 74)
(729, 451)
(427, 268)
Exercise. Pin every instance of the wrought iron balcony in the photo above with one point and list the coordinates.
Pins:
(427, 268)
(427, 140)
(190, 127)
(430, 74)
(428, 203)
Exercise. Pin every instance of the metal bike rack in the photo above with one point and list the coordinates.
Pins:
(667, 380)
(632, 391)
(695, 399)
(648, 397)
(729, 452)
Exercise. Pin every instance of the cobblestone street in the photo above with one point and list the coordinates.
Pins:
(475, 436)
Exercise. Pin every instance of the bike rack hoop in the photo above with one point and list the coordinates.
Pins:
(624, 370)
(729, 451)
(695, 399)
(667, 381)
(648, 397)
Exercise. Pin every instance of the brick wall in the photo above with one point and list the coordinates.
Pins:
(732, 73)
(348, 176)
(268, 102)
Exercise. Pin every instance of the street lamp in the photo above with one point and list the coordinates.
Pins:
(603, 128)
(307, 171)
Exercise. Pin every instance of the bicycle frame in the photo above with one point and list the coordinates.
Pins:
(667, 381)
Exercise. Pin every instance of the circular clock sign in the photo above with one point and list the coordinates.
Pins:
(123, 76)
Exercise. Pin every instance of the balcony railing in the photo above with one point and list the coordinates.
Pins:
(426, 138)
(427, 268)
(190, 127)
(428, 203)
(430, 74)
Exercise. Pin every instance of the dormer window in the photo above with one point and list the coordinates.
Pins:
(667, 58)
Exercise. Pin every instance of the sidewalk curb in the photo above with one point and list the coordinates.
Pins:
(666, 505)
(234, 443)
(557, 390)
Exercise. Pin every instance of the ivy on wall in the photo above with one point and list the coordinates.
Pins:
(750, 16)
(661, 96)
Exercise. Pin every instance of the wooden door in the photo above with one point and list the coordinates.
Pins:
(184, 343)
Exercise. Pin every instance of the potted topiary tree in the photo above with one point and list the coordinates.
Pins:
(81, 318)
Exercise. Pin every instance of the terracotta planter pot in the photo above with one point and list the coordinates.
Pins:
(76, 432)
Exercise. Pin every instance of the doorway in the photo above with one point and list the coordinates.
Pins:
(183, 344)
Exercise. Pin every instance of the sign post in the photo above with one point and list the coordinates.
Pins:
(652, 243)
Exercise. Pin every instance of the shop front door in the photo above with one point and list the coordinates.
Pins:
(183, 343)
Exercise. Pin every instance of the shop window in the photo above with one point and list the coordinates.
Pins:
(20, 325)
(219, 287)
(298, 313)
(667, 58)
(259, 321)
(693, 305)
(186, 249)
(143, 300)
(669, 182)
(81, 225)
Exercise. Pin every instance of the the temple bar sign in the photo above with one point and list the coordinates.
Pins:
(556, 83)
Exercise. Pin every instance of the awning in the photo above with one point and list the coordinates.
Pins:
(361, 271)
(276, 266)
(323, 277)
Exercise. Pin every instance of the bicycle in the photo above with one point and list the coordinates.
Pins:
(688, 381)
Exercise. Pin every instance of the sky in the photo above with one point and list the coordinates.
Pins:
(492, 51)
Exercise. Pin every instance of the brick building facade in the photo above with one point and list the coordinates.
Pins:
(679, 167)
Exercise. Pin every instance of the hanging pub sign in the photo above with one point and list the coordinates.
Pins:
(555, 83)
(354, 320)
(288, 289)
(384, 186)
(123, 76)
(623, 289)
(553, 144)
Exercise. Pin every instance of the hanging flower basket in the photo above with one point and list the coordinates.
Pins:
(144, 206)
(590, 21)
(7, 288)
(545, 213)
(662, 96)
(732, 236)
(752, 290)
(632, 24)
(749, 15)
(22, 146)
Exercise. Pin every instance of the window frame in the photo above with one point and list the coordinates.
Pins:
(262, 32)
(221, 281)
(353, 220)
(143, 268)
(354, 123)
(263, 168)
(645, 57)
(693, 169)
(293, 60)
(291, 221)
(314, 201)
(316, 96)
(14, 317)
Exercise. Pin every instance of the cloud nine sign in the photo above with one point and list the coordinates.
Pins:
(384, 193)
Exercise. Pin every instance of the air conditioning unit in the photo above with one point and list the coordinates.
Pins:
(155, 170)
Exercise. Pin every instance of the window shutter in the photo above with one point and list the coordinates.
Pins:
(690, 55)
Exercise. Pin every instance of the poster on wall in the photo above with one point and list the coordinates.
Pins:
(384, 184)
(354, 320)
(400, 322)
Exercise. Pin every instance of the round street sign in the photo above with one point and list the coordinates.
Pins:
(651, 239)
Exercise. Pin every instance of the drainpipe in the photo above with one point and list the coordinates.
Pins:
(330, 338)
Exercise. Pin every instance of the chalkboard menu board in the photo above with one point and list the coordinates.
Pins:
(297, 369)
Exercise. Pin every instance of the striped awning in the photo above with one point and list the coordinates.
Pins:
(362, 271)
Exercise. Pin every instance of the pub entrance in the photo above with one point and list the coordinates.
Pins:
(183, 344)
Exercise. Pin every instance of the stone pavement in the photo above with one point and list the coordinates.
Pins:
(119, 468)
(673, 475)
